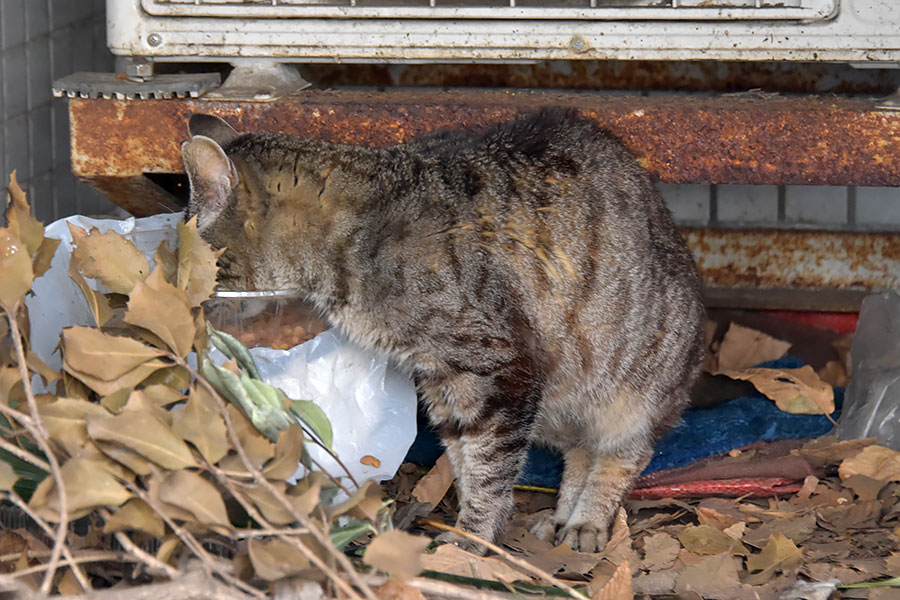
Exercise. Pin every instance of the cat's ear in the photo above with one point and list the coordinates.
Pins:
(212, 127)
(211, 175)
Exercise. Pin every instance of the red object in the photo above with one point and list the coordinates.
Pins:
(836, 321)
(755, 487)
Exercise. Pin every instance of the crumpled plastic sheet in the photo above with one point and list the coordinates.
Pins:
(872, 402)
(371, 405)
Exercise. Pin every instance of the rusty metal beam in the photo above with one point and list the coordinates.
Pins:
(729, 139)
(801, 270)
(679, 139)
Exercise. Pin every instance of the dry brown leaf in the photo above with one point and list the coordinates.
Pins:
(779, 553)
(660, 552)
(275, 559)
(434, 485)
(707, 540)
(136, 515)
(655, 582)
(18, 215)
(743, 347)
(162, 309)
(165, 259)
(102, 356)
(196, 264)
(65, 420)
(618, 548)
(712, 577)
(133, 461)
(132, 378)
(736, 531)
(834, 373)
(305, 494)
(16, 267)
(35, 363)
(97, 302)
(288, 449)
(273, 510)
(397, 552)
(363, 504)
(256, 446)
(200, 423)
(145, 434)
(109, 258)
(563, 559)
(876, 462)
(395, 590)
(162, 395)
(865, 487)
(167, 547)
(68, 584)
(617, 588)
(454, 560)
(192, 493)
(796, 391)
(712, 517)
(88, 485)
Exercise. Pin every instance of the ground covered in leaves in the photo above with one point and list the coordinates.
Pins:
(841, 527)
(143, 469)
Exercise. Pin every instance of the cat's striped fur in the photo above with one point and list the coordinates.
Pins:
(529, 278)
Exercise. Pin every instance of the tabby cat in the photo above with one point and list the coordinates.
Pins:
(529, 278)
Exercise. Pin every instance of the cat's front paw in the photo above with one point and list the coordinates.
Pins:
(544, 528)
(583, 537)
(449, 537)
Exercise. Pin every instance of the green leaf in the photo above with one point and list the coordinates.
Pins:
(892, 582)
(343, 535)
(269, 420)
(231, 347)
(315, 419)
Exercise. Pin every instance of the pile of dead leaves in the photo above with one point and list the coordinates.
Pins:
(160, 470)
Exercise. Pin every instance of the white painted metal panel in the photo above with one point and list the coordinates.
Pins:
(858, 31)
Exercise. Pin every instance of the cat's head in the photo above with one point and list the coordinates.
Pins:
(230, 204)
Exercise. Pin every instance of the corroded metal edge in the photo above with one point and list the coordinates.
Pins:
(679, 139)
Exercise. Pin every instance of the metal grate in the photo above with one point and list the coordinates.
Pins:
(500, 9)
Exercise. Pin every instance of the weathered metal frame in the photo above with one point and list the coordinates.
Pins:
(725, 139)
(863, 31)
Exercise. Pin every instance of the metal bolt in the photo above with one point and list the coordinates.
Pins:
(154, 39)
(139, 68)
(577, 43)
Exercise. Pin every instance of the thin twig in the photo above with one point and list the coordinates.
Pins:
(13, 497)
(18, 415)
(74, 562)
(304, 520)
(191, 542)
(520, 564)
(24, 455)
(315, 439)
(41, 437)
(305, 550)
(144, 557)
(336, 480)
(241, 534)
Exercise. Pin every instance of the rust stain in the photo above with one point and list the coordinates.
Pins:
(727, 139)
(772, 259)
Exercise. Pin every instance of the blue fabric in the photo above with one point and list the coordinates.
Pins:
(703, 432)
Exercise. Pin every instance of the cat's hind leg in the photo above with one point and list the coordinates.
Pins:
(609, 479)
(575, 473)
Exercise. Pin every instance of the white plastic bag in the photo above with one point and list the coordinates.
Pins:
(371, 406)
